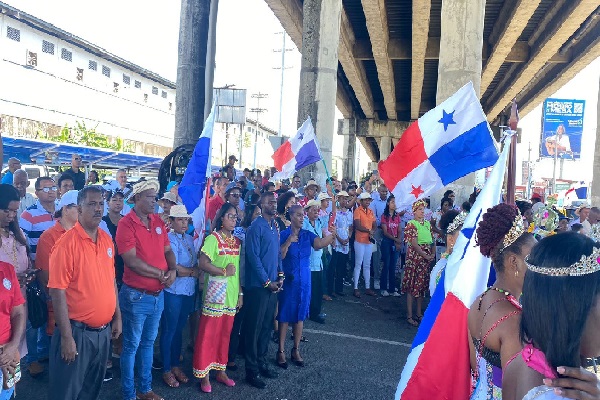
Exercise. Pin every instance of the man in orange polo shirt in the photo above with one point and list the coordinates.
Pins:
(84, 294)
(364, 228)
(150, 266)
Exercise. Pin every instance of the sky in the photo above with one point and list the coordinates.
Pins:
(147, 32)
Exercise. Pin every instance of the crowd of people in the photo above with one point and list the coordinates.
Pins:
(106, 269)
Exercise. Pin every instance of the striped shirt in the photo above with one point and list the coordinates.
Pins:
(34, 221)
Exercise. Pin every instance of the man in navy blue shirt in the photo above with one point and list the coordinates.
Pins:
(264, 278)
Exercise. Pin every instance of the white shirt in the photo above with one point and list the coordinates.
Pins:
(26, 202)
(562, 141)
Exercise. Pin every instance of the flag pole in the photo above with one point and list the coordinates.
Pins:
(512, 156)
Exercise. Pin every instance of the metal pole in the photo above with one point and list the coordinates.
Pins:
(554, 168)
(242, 133)
(255, 139)
(226, 141)
(529, 172)
(281, 88)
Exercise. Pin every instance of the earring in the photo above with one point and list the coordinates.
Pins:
(516, 273)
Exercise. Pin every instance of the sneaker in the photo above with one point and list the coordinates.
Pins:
(376, 284)
(395, 294)
(385, 293)
(108, 376)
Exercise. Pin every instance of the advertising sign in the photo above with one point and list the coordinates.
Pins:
(562, 128)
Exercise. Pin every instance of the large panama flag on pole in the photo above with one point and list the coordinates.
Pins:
(194, 187)
(445, 144)
(438, 365)
(298, 152)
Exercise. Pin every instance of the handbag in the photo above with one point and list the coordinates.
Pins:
(12, 374)
(216, 290)
(37, 310)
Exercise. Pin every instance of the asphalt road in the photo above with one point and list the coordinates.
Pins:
(357, 354)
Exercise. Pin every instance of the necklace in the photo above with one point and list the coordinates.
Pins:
(229, 240)
(502, 291)
(185, 244)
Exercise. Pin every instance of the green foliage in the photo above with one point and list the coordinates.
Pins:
(82, 135)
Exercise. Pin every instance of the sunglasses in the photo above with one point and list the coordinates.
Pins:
(235, 194)
(232, 217)
(48, 189)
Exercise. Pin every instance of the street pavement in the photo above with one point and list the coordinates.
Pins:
(357, 354)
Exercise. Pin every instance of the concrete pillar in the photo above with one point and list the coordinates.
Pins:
(385, 147)
(595, 198)
(191, 71)
(318, 76)
(349, 158)
(461, 44)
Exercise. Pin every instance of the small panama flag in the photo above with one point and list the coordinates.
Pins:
(298, 152)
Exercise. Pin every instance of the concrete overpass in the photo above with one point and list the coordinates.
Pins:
(386, 62)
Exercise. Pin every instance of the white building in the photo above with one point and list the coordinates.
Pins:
(52, 78)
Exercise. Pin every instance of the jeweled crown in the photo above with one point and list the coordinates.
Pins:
(457, 221)
(586, 265)
(515, 232)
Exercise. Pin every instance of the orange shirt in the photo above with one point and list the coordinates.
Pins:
(86, 271)
(366, 219)
(45, 244)
(149, 245)
(10, 297)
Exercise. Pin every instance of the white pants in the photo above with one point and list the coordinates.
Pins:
(362, 256)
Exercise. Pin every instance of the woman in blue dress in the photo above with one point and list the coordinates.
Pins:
(294, 299)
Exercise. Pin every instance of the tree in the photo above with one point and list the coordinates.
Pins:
(80, 134)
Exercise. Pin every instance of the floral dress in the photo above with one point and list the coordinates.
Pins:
(417, 270)
(212, 341)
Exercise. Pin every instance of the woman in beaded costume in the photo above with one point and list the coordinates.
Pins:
(559, 323)
(493, 318)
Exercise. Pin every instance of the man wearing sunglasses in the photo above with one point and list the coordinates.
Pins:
(77, 175)
(34, 221)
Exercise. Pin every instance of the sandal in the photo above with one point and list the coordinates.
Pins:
(412, 321)
(170, 379)
(280, 364)
(179, 375)
(296, 360)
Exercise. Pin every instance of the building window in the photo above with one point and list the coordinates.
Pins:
(79, 74)
(93, 65)
(138, 84)
(66, 55)
(170, 106)
(126, 79)
(163, 94)
(154, 90)
(47, 47)
(115, 87)
(13, 34)
(145, 97)
(106, 71)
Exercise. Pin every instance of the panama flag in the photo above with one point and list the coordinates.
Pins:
(193, 189)
(445, 144)
(298, 152)
(442, 341)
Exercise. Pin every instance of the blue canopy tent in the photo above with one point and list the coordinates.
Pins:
(42, 152)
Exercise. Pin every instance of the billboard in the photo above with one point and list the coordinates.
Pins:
(562, 128)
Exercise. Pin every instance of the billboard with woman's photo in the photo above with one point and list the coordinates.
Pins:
(562, 127)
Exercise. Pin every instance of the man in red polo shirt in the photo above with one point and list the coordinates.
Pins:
(217, 201)
(149, 267)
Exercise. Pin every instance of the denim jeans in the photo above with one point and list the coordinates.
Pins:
(38, 343)
(141, 315)
(178, 308)
(389, 255)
